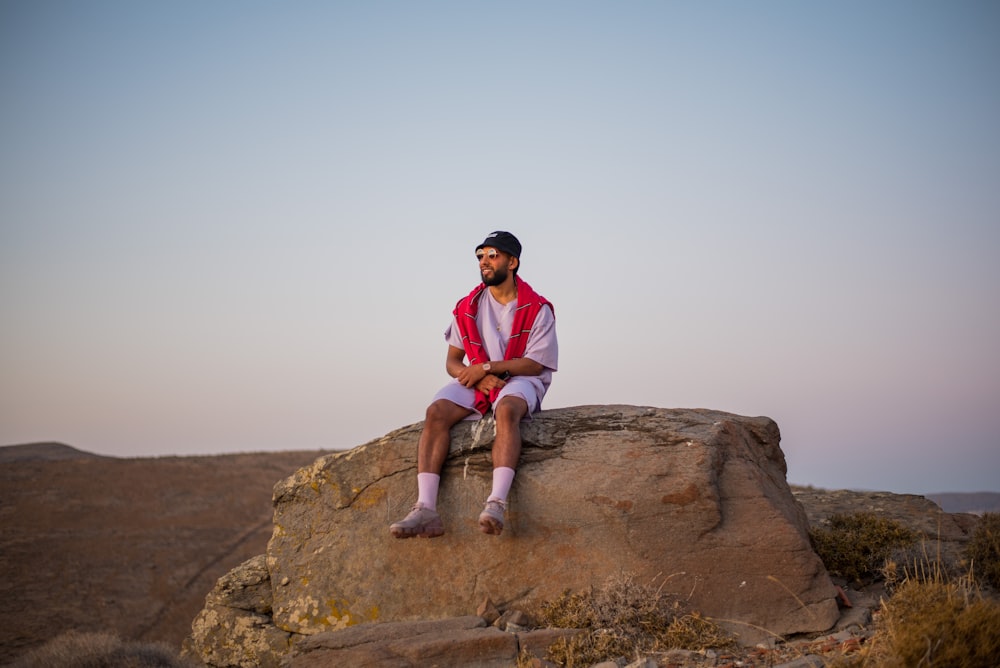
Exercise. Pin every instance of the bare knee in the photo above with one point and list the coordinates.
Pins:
(444, 414)
(510, 410)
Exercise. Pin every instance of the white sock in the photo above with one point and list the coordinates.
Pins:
(503, 478)
(427, 489)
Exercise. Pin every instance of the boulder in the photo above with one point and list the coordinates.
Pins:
(696, 498)
(692, 500)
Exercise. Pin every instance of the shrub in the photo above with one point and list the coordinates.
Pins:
(983, 550)
(932, 619)
(936, 623)
(856, 546)
(625, 619)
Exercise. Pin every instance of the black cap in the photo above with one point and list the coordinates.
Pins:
(503, 241)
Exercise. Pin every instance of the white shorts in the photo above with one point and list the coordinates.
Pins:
(465, 397)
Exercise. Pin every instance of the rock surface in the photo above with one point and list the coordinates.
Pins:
(460, 641)
(943, 536)
(234, 628)
(693, 499)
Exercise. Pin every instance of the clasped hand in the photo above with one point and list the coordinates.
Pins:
(474, 376)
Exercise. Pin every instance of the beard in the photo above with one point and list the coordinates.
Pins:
(498, 277)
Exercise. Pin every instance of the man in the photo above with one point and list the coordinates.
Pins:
(507, 331)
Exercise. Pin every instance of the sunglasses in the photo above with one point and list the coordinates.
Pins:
(491, 254)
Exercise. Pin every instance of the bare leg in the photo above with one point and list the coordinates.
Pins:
(432, 450)
(508, 414)
(435, 439)
(506, 452)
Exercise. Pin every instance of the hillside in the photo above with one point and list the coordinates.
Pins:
(95, 543)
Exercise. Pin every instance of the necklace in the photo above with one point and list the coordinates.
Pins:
(499, 311)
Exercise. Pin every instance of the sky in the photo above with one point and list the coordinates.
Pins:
(240, 226)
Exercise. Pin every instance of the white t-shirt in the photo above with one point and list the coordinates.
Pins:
(495, 321)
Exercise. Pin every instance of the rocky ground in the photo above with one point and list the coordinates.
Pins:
(132, 546)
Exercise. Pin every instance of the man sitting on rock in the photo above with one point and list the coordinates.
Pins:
(508, 333)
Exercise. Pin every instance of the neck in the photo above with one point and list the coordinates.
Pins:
(506, 291)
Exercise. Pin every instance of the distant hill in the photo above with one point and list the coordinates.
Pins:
(967, 502)
(41, 452)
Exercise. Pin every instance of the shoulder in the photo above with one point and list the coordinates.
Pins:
(466, 303)
(545, 314)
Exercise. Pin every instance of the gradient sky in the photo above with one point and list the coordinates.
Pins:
(239, 226)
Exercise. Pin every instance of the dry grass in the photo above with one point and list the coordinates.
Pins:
(983, 550)
(100, 650)
(932, 621)
(857, 546)
(624, 619)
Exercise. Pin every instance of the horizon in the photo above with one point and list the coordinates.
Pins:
(240, 226)
(790, 482)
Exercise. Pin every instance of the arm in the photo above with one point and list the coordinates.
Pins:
(455, 363)
(521, 366)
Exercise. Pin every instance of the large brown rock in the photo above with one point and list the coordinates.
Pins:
(693, 499)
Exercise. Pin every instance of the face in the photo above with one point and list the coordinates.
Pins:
(494, 266)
